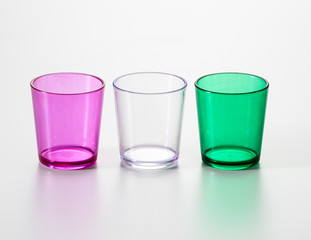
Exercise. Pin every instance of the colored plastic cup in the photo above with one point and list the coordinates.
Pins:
(149, 108)
(231, 112)
(67, 111)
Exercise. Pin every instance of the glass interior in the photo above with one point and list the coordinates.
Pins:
(150, 83)
(67, 83)
(231, 83)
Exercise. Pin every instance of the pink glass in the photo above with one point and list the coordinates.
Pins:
(67, 110)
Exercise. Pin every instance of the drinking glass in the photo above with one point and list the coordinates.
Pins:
(231, 112)
(149, 108)
(67, 111)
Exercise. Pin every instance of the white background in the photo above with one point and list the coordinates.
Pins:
(269, 38)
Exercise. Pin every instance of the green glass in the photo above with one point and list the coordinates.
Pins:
(231, 113)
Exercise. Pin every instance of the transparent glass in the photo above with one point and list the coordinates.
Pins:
(67, 110)
(149, 108)
(231, 112)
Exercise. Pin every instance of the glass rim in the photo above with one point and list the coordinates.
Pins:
(238, 93)
(152, 93)
(75, 73)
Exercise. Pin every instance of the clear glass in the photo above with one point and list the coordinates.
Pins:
(231, 112)
(149, 108)
(67, 110)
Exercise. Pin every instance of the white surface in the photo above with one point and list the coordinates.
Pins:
(270, 38)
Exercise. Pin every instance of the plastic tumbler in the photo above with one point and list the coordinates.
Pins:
(149, 108)
(67, 110)
(231, 112)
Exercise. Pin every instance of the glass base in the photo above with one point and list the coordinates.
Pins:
(149, 158)
(68, 158)
(230, 158)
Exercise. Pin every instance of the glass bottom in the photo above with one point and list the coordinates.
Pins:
(230, 158)
(149, 157)
(68, 158)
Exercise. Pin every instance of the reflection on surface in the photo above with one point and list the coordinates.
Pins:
(229, 203)
(147, 204)
(66, 203)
